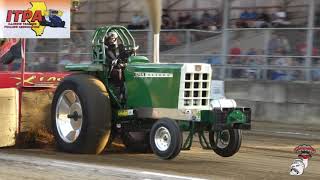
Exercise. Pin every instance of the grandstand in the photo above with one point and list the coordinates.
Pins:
(243, 39)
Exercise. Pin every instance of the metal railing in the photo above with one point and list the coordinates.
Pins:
(255, 61)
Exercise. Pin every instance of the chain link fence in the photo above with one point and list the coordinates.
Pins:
(253, 54)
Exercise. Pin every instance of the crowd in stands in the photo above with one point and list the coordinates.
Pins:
(279, 55)
(250, 18)
(279, 48)
(182, 20)
(73, 50)
(212, 20)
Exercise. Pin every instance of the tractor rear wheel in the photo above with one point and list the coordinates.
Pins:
(81, 115)
(225, 143)
(166, 138)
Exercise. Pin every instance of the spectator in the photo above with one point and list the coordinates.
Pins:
(33, 65)
(316, 72)
(195, 22)
(45, 64)
(282, 62)
(247, 19)
(206, 17)
(137, 22)
(250, 18)
(302, 49)
(77, 37)
(273, 44)
(218, 19)
(167, 21)
(180, 19)
(235, 51)
(252, 62)
(214, 59)
(184, 20)
(252, 15)
(317, 16)
(206, 20)
(167, 24)
(280, 19)
(276, 42)
(244, 17)
(263, 19)
(235, 58)
(66, 59)
(85, 59)
(264, 16)
(209, 21)
(285, 44)
(252, 54)
(170, 41)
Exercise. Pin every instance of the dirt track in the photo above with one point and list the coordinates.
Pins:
(262, 156)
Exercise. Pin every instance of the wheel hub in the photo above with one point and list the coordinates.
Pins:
(69, 116)
(222, 138)
(162, 138)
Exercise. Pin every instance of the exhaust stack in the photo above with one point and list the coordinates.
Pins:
(155, 12)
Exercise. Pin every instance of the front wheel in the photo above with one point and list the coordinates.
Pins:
(225, 143)
(166, 138)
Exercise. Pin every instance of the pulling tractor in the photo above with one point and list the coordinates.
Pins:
(162, 100)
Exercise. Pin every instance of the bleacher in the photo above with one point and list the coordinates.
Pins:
(188, 45)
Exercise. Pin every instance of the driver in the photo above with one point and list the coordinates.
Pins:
(116, 62)
(115, 51)
(111, 47)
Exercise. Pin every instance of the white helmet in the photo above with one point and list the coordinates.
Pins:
(112, 34)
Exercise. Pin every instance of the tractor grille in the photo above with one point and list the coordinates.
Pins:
(195, 87)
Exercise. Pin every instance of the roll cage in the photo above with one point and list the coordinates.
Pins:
(98, 42)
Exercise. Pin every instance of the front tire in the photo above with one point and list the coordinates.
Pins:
(81, 115)
(225, 143)
(166, 138)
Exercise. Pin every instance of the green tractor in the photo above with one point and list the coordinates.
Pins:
(159, 103)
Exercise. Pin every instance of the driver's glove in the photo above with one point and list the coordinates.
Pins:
(114, 62)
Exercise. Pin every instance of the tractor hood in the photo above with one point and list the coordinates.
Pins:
(173, 86)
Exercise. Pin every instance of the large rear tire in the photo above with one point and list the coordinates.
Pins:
(225, 143)
(166, 138)
(81, 115)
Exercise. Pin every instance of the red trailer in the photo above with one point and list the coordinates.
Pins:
(25, 97)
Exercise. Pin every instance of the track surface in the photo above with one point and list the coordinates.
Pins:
(266, 153)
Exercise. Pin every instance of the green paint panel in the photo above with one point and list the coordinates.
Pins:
(236, 116)
(84, 67)
(184, 125)
(146, 89)
(207, 116)
(233, 116)
(138, 59)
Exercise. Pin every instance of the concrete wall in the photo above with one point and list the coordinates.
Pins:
(278, 101)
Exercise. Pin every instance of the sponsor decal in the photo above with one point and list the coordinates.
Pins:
(37, 81)
(35, 19)
(153, 75)
(124, 113)
(304, 152)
